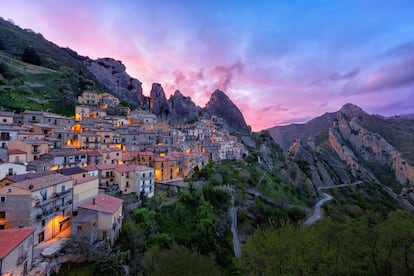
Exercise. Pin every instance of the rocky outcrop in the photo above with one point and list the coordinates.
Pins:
(111, 73)
(182, 108)
(158, 102)
(310, 165)
(367, 146)
(220, 105)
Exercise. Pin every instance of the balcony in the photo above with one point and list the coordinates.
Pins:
(22, 259)
(64, 193)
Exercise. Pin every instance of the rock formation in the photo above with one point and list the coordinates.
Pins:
(111, 73)
(220, 105)
(158, 102)
(182, 108)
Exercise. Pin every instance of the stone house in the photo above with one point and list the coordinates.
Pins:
(165, 168)
(67, 159)
(43, 202)
(108, 211)
(17, 156)
(8, 169)
(33, 148)
(16, 251)
(8, 133)
(143, 180)
(124, 178)
(6, 118)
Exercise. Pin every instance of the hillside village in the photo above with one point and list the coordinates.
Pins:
(62, 176)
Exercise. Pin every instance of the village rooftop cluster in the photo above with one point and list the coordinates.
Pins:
(59, 175)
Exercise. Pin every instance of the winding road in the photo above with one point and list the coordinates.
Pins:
(317, 211)
(326, 197)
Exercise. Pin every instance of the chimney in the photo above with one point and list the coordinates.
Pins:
(94, 203)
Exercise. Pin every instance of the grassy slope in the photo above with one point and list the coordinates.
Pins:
(52, 86)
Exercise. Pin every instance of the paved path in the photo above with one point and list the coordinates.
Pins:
(236, 239)
(317, 214)
(317, 211)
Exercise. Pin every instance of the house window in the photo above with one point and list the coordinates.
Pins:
(63, 188)
(5, 136)
(127, 184)
(2, 199)
(10, 171)
(79, 228)
(143, 175)
(2, 214)
(41, 237)
(44, 194)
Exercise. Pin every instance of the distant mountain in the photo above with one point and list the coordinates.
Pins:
(351, 145)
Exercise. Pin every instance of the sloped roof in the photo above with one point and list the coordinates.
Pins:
(42, 182)
(103, 203)
(11, 238)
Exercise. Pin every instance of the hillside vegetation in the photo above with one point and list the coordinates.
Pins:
(37, 74)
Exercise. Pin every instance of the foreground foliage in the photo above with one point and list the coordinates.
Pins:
(368, 245)
(198, 221)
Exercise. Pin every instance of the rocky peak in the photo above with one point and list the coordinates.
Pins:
(221, 105)
(158, 103)
(350, 110)
(111, 73)
(182, 108)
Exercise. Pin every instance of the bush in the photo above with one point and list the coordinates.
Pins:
(30, 56)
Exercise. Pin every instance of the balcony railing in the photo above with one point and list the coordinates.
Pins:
(22, 258)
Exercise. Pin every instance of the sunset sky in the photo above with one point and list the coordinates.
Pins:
(279, 61)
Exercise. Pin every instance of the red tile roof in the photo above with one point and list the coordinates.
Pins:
(141, 168)
(11, 238)
(123, 168)
(93, 153)
(16, 151)
(106, 166)
(90, 168)
(103, 203)
(84, 179)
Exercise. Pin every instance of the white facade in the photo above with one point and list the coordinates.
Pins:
(7, 169)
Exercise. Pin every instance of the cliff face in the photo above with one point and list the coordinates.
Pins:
(182, 108)
(158, 102)
(368, 146)
(355, 147)
(220, 105)
(111, 73)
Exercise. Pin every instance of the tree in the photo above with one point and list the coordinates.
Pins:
(108, 265)
(30, 56)
(178, 260)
